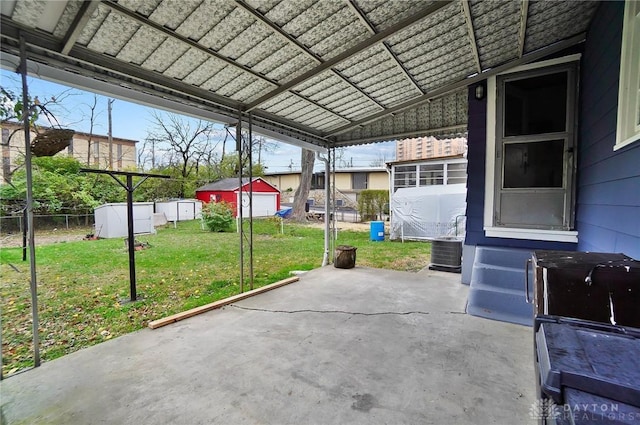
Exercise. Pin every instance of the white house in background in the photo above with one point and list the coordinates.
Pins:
(428, 197)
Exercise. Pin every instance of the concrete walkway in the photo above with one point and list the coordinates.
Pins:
(359, 346)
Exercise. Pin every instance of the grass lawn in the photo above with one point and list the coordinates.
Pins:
(81, 284)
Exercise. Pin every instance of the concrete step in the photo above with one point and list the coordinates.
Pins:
(501, 277)
(502, 306)
(497, 289)
(505, 257)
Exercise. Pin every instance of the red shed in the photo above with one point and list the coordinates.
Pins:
(266, 198)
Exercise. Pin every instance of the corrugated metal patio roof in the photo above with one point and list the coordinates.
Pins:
(322, 72)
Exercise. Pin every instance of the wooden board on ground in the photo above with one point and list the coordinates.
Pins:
(154, 324)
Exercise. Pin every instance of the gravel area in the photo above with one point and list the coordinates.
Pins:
(14, 240)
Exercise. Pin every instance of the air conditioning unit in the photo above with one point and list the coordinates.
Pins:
(446, 254)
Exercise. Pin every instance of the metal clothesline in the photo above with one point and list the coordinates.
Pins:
(130, 188)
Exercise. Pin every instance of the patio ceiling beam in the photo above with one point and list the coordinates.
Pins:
(472, 37)
(79, 22)
(301, 47)
(324, 108)
(172, 34)
(524, 12)
(363, 18)
(341, 57)
(531, 57)
(275, 28)
(367, 23)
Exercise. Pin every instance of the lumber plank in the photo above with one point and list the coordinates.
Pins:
(154, 324)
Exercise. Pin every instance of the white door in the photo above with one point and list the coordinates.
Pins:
(142, 218)
(264, 204)
(186, 211)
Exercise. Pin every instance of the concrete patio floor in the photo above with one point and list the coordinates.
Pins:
(358, 346)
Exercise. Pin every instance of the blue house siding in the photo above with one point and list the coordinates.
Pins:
(476, 152)
(608, 196)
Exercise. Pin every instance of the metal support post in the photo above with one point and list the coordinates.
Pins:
(29, 207)
(239, 205)
(250, 154)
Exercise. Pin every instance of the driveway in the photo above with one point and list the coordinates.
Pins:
(358, 346)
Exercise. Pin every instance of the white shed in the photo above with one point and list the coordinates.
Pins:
(111, 219)
(180, 209)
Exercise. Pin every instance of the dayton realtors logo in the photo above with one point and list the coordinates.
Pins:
(584, 412)
(544, 408)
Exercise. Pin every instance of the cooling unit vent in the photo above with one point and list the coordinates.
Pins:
(446, 254)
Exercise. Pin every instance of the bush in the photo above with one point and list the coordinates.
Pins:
(218, 216)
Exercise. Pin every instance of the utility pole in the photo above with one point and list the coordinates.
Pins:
(109, 103)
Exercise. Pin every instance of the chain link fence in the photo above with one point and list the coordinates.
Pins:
(16, 223)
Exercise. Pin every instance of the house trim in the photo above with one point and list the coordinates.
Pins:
(628, 129)
(532, 234)
(489, 198)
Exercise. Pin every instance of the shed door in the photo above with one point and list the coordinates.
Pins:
(264, 204)
(142, 219)
(186, 211)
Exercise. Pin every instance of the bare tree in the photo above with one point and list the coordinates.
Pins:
(146, 154)
(224, 142)
(246, 145)
(110, 133)
(211, 158)
(262, 144)
(341, 162)
(92, 119)
(307, 159)
(185, 141)
(380, 160)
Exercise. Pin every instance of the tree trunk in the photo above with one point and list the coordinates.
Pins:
(302, 192)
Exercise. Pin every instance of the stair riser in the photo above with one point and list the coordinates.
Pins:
(497, 289)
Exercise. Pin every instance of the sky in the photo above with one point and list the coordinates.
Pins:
(134, 121)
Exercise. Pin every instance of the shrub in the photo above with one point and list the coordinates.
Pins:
(218, 216)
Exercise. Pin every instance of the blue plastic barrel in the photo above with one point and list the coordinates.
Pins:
(377, 230)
